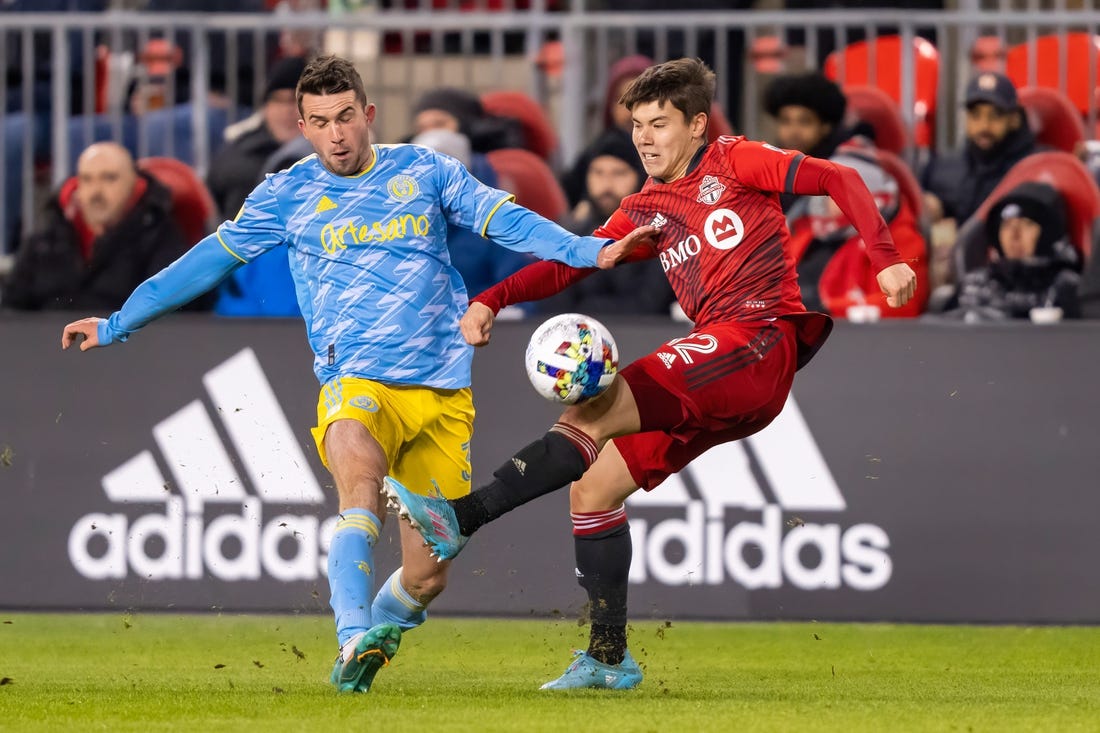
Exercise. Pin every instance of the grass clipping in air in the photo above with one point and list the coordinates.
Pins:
(222, 672)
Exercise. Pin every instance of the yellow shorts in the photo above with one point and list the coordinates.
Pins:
(424, 432)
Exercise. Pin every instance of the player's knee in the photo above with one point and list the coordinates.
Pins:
(589, 494)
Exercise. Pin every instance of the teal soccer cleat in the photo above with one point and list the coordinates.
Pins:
(587, 672)
(432, 516)
(372, 652)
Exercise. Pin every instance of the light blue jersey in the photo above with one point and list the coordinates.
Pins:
(368, 255)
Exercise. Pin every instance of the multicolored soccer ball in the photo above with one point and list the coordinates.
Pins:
(571, 358)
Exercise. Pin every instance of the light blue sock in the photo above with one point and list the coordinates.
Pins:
(394, 604)
(351, 571)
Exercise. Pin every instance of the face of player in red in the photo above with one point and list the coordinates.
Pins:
(665, 139)
(338, 127)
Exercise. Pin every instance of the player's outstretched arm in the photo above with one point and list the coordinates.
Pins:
(618, 251)
(201, 268)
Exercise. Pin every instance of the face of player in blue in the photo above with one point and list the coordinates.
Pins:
(666, 139)
(338, 127)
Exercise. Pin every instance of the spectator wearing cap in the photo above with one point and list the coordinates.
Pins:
(834, 273)
(997, 137)
(614, 172)
(239, 165)
(1032, 262)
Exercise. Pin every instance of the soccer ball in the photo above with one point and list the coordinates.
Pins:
(571, 358)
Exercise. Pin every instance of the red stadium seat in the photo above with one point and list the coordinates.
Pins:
(877, 109)
(1053, 118)
(717, 123)
(883, 55)
(526, 175)
(537, 130)
(191, 200)
(1048, 66)
(1067, 175)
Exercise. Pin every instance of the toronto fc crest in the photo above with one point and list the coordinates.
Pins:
(710, 190)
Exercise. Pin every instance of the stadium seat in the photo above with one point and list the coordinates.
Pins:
(988, 54)
(717, 123)
(876, 108)
(537, 130)
(1053, 118)
(529, 177)
(191, 200)
(853, 65)
(1067, 175)
(1048, 66)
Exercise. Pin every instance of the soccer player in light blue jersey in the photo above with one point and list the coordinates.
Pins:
(365, 229)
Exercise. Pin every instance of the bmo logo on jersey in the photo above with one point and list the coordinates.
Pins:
(723, 229)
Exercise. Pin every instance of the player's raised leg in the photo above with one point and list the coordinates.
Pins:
(358, 464)
(559, 457)
(602, 544)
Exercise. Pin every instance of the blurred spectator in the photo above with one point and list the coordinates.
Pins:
(238, 166)
(105, 232)
(614, 172)
(1090, 287)
(834, 272)
(809, 113)
(997, 137)
(480, 263)
(460, 111)
(808, 110)
(1033, 264)
(616, 120)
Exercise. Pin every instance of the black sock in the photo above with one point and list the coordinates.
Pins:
(603, 569)
(552, 461)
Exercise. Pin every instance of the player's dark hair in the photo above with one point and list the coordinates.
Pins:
(686, 84)
(330, 75)
(810, 90)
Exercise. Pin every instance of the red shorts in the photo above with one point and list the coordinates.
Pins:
(720, 383)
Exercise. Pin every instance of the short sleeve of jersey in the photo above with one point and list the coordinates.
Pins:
(467, 202)
(763, 166)
(257, 227)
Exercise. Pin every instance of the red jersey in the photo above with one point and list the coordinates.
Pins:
(723, 237)
(723, 234)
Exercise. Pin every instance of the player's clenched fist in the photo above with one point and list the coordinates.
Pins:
(898, 283)
(86, 327)
(476, 324)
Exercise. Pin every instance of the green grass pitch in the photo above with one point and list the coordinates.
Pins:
(223, 672)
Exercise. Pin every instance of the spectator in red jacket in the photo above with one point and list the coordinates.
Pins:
(834, 273)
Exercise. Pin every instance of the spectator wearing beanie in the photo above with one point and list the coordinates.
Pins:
(461, 111)
(239, 165)
(1032, 263)
(614, 172)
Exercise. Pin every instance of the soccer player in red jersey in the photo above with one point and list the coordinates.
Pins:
(720, 236)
